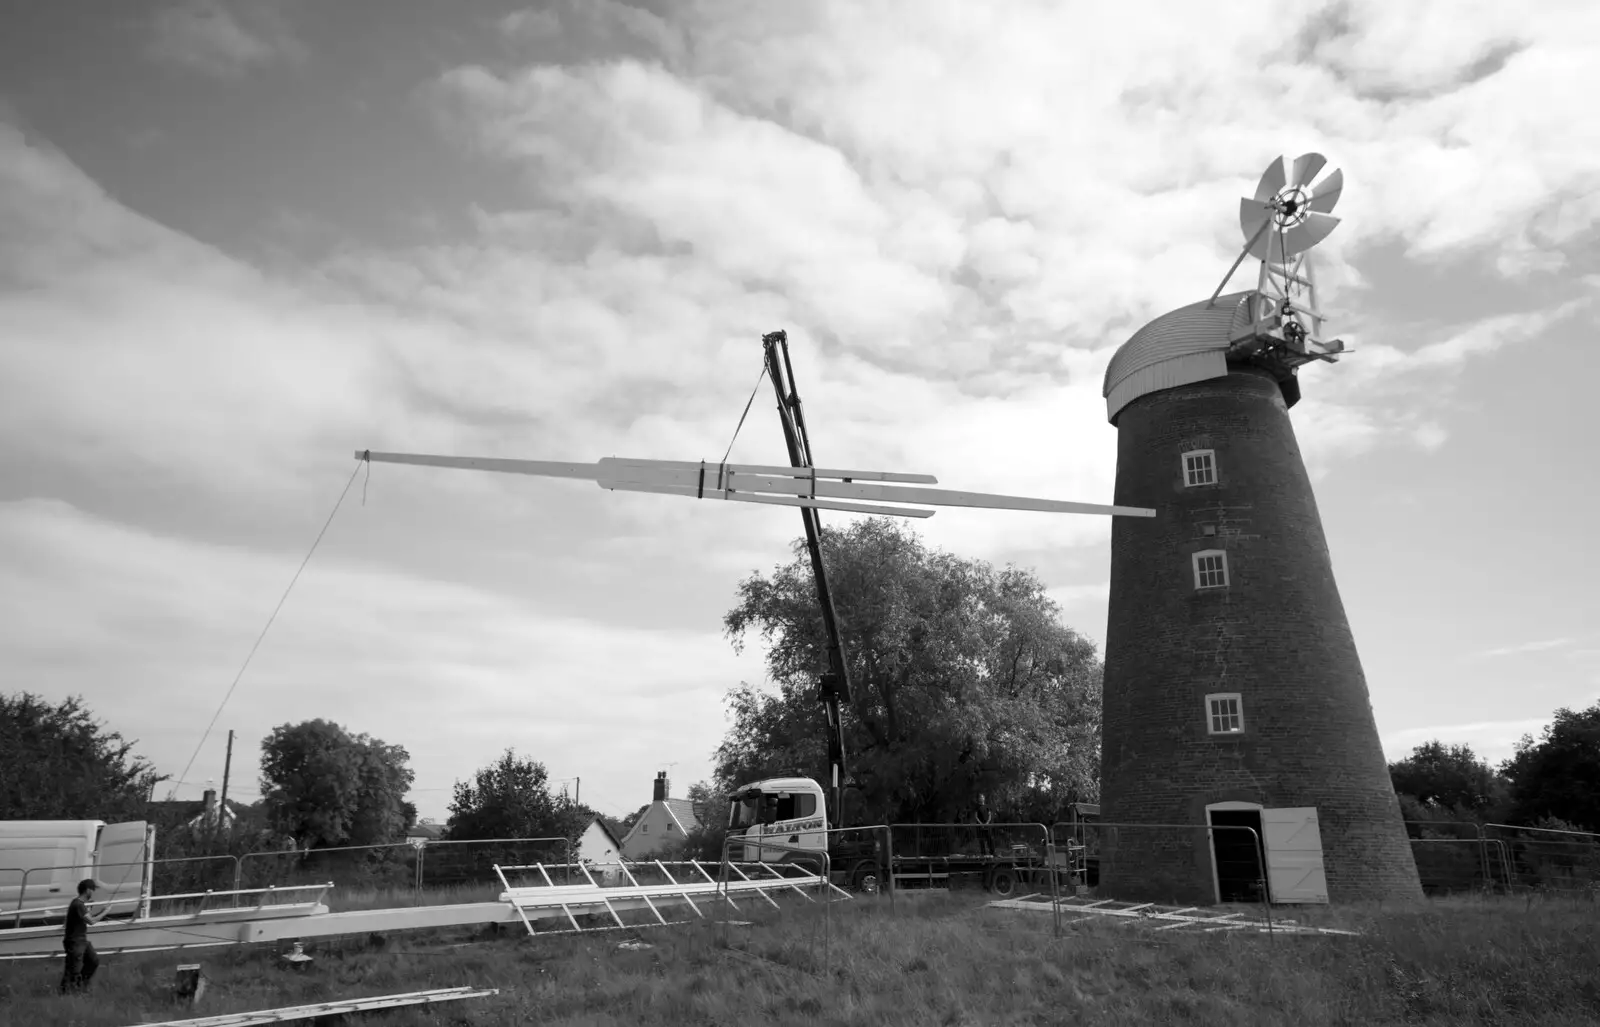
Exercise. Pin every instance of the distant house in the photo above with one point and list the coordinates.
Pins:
(598, 843)
(424, 831)
(664, 824)
(196, 815)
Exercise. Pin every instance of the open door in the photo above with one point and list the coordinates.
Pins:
(1293, 842)
(120, 865)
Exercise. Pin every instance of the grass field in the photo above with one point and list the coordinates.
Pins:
(932, 959)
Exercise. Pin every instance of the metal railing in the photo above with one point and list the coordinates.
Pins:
(1548, 859)
(206, 897)
(794, 855)
(142, 899)
(1254, 871)
(400, 863)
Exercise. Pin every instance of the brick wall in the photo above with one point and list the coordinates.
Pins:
(1277, 634)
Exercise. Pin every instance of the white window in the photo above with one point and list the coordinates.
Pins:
(1224, 713)
(1199, 467)
(1211, 569)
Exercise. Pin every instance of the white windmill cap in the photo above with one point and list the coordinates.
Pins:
(1186, 345)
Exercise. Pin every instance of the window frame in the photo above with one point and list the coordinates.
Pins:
(1210, 465)
(1194, 564)
(1212, 717)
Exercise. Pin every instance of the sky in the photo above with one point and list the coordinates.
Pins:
(240, 241)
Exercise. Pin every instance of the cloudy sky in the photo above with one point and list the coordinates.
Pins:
(240, 240)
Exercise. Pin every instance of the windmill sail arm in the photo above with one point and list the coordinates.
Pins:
(857, 492)
(541, 468)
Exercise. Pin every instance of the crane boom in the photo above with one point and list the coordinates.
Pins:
(833, 686)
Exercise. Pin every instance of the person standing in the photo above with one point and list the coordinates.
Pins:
(983, 816)
(82, 960)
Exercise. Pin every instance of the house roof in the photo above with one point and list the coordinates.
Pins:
(680, 810)
(683, 813)
(611, 830)
(429, 831)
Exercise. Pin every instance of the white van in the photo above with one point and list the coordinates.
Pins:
(52, 856)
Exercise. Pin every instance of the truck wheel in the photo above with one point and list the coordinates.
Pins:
(1003, 882)
(865, 878)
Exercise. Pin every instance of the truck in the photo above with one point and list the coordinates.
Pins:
(42, 861)
(791, 813)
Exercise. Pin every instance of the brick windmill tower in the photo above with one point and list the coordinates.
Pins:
(1233, 691)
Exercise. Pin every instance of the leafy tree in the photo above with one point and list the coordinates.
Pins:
(57, 763)
(327, 787)
(1442, 777)
(1559, 775)
(966, 682)
(704, 840)
(510, 798)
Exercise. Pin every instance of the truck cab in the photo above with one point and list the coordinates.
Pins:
(42, 861)
(786, 810)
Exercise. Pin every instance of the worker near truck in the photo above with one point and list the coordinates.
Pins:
(82, 960)
(983, 816)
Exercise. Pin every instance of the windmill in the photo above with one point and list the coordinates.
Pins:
(1233, 693)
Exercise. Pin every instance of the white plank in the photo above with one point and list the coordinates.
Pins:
(284, 1014)
(755, 483)
(543, 468)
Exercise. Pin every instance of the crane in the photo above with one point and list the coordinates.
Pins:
(833, 685)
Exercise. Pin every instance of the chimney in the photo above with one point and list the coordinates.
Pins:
(209, 800)
(663, 787)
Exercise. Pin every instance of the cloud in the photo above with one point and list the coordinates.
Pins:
(1526, 647)
(1492, 740)
(439, 668)
(223, 39)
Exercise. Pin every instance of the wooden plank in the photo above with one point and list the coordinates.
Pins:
(712, 469)
(760, 483)
(284, 1014)
(755, 497)
(629, 474)
(542, 468)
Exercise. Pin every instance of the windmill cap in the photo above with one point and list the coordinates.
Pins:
(1186, 345)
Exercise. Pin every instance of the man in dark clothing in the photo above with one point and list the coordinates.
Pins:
(82, 961)
(983, 817)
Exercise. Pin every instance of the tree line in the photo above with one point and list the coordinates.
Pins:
(966, 684)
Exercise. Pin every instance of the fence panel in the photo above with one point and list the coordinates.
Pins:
(1546, 859)
(467, 867)
(349, 867)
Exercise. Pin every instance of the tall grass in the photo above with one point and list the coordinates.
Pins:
(931, 959)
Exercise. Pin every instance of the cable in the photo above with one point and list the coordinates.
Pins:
(174, 789)
(746, 413)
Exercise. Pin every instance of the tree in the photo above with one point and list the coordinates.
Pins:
(57, 763)
(1442, 777)
(965, 681)
(510, 798)
(327, 787)
(704, 840)
(1559, 775)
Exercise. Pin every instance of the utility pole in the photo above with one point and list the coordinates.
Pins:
(227, 766)
(577, 790)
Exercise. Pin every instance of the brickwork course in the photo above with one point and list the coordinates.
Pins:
(1277, 634)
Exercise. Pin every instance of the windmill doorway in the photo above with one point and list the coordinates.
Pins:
(1237, 869)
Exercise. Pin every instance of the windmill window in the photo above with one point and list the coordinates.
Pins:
(1211, 569)
(1199, 467)
(1224, 713)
